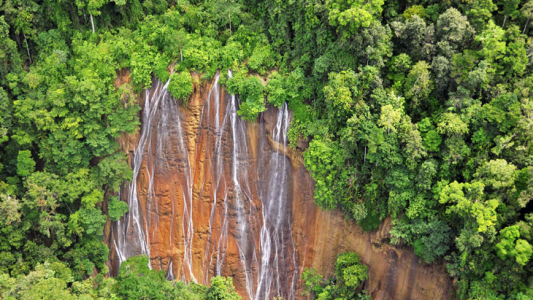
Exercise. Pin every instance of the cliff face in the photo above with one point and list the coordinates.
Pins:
(214, 195)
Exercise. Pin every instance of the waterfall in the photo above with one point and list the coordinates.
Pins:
(278, 258)
(217, 169)
(197, 210)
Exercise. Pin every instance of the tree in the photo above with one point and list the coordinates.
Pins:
(399, 66)
(11, 61)
(324, 159)
(497, 174)
(414, 148)
(431, 139)
(21, 16)
(137, 281)
(492, 40)
(466, 201)
(290, 88)
(453, 29)
(452, 124)
(414, 37)
(349, 275)
(516, 59)
(176, 40)
(480, 12)
(511, 245)
(338, 94)
(431, 240)
(224, 9)
(116, 208)
(93, 7)
(25, 163)
(414, 10)
(262, 59)
(418, 84)
(47, 282)
(9, 210)
(345, 90)
(312, 281)
(371, 45)
(350, 271)
(390, 118)
(441, 69)
(527, 12)
(510, 9)
(222, 289)
(435, 243)
(349, 15)
(250, 90)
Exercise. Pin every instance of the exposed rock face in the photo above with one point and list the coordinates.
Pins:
(214, 195)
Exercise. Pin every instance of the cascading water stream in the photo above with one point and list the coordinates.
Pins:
(218, 170)
(241, 193)
(187, 218)
(278, 272)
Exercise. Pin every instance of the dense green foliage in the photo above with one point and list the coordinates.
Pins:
(419, 110)
(349, 276)
(52, 281)
(180, 85)
(250, 90)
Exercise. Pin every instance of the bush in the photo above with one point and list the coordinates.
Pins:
(180, 86)
(222, 289)
(250, 90)
(288, 88)
(350, 271)
(116, 208)
(349, 275)
(137, 281)
(261, 59)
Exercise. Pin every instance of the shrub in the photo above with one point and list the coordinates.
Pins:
(250, 90)
(180, 86)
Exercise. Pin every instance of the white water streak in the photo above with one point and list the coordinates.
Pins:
(240, 194)
(275, 274)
